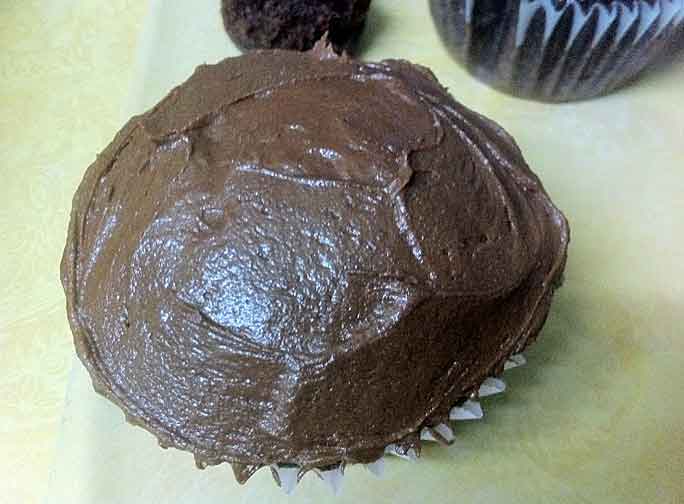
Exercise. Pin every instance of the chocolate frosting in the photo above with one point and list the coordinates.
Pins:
(299, 258)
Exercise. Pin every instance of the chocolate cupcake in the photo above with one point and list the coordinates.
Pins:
(293, 24)
(558, 50)
(300, 261)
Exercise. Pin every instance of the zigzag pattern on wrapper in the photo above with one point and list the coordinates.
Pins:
(561, 51)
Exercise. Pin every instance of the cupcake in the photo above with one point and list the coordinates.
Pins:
(558, 50)
(293, 24)
(298, 261)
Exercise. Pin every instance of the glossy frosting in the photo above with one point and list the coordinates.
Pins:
(299, 258)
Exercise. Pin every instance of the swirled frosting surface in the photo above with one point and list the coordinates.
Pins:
(300, 258)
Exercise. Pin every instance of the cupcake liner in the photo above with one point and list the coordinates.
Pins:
(555, 50)
(440, 433)
(492, 386)
(287, 476)
(469, 410)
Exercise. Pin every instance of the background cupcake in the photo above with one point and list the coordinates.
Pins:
(293, 24)
(558, 50)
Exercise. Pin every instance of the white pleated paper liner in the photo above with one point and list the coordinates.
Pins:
(558, 50)
(287, 476)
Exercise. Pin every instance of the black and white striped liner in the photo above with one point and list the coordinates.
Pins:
(558, 50)
(288, 476)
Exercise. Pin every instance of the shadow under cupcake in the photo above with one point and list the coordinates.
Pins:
(559, 50)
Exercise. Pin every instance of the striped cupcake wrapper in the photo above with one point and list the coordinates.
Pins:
(558, 50)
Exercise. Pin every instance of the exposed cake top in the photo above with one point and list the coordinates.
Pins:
(294, 24)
